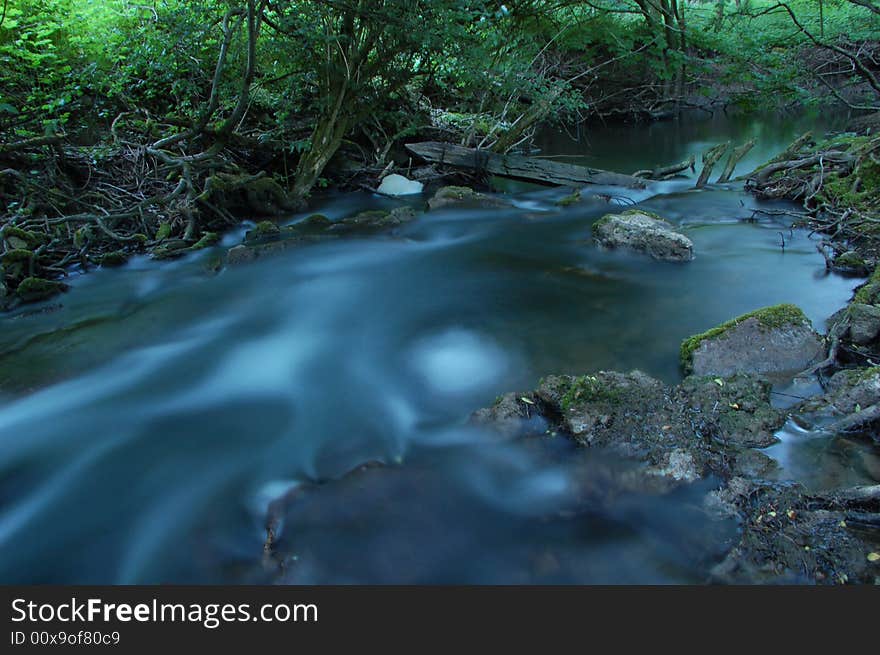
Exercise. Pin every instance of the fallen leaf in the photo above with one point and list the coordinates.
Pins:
(874, 557)
(719, 382)
(526, 400)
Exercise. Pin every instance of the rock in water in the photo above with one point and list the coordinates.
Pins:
(462, 196)
(774, 340)
(864, 323)
(398, 185)
(644, 232)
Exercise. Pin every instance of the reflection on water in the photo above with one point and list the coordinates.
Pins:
(148, 420)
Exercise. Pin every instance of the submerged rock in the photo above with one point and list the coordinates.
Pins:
(34, 289)
(268, 239)
(850, 263)
(113, 259)
(375, 220)
(462, 196)
(706, 422)
(245, 253)
(772, 340)
(642, 231)
(263, 230)
(791, 536)
(707, 426)
(398, 185)
(512, 415)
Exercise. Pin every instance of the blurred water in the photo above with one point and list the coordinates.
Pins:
(148, 420)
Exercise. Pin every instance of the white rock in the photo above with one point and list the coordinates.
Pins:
(398, 185)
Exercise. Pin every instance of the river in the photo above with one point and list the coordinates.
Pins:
(148, 420)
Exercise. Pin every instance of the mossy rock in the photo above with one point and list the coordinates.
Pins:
(113, 259)
(772, 340)
(17, 263)
(374, 220)
(17, 256)
(848, 391)
(262, 231)
(315, 222)
(571, 199)
(462, 196)
(34, 289)
(599, 409)
(869, 293)
(642, 231)
(249, 195)
(850, 263)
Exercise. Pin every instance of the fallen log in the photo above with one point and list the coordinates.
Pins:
(735, 155)
(667, 172)
(710, 158)
(518, 167)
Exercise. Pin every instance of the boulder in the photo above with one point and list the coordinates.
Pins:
(462, 196)
(34, 289)
(847, 392)
(864, 323)
(850, 263)
(774, 340)
(644, 232)
(869, 293)
(398, 185)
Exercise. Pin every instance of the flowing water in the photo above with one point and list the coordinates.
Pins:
(148, 421)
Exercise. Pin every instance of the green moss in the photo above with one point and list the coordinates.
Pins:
(571, 199)
(588, 388)
(456, 192)
(267, 228)
(769, 317)
(314, 221)
(163, 232)
(116, 258)
(850, 259)
(17, 255)
(207, 240)
(869, 293)
(33, 289)
(22, 239)
(629, 212)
